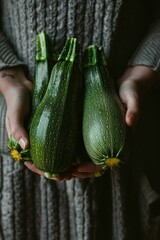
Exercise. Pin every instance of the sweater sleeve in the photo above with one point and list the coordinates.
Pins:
(148, 52)
(8, 57)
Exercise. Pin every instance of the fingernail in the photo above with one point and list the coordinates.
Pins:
(22, 143)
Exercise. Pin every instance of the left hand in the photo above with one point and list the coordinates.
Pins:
(132, 87)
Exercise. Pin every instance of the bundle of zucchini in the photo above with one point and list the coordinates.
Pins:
(55, 126)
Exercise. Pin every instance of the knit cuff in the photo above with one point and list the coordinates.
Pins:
(148, 52)
(8, 57)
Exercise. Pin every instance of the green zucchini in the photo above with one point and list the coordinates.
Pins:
(54, 130)
(104, 127)
(45, 59)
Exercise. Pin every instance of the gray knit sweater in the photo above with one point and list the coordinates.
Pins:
(32, 207)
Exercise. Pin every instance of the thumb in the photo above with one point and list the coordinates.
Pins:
(132, 104)
(15, 122)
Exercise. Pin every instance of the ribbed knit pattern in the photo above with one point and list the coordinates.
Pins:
(119, 217)
(151, 200)
(7, 201)
(3, 131)
(83, 221)
(29, 202)
(70, 18)
(32, 207)
(51, 16)
(148, 53)
(7, 55)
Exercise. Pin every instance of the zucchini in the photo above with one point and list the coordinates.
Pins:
(45, 59)
(104, 127)
(54, 130)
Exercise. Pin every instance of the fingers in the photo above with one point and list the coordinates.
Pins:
(31, 166)
(19, 133)
(18, 104)
(133, 108)
(15, 127)
(82, 170)
(89, 167)
(86, 170)
(131, 98)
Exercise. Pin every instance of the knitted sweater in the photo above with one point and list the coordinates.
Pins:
(32, 207)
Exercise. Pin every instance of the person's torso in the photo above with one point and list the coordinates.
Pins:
(116, 25)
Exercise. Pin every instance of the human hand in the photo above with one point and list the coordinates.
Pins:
(132, 86)
(16, 89)
(81, 170)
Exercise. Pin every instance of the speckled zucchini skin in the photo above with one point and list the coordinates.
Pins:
(54, 130)
(45, 59)
(104, 128)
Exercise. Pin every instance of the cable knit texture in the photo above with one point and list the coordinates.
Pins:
(34, 208)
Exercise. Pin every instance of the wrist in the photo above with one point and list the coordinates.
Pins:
(7, 81)
(143, 76)
(11, 78)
